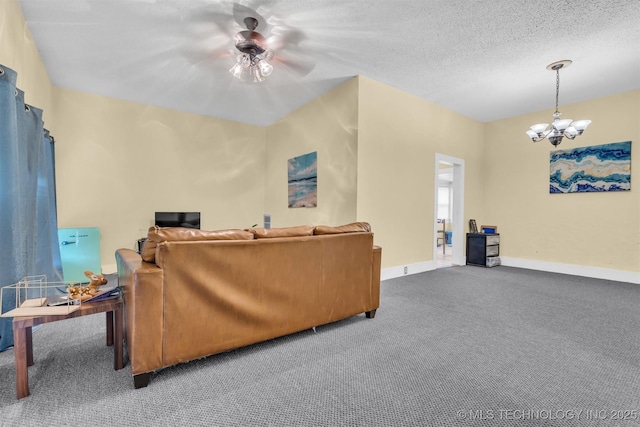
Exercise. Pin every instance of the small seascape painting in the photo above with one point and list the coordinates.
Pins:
(591, 169)
(303, 181)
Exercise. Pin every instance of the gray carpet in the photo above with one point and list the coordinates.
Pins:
(452, 347)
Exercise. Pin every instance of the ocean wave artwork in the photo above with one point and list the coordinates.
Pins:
(597, 168)
(303, 181)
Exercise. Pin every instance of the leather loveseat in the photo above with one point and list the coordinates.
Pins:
(194, 293)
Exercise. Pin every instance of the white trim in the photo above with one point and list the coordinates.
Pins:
(415, 268)
(551, 267)
(457, 223)
(573, 269)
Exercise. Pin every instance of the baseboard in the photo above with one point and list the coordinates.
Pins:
(573, 269)
(552, 267)
(399, 271)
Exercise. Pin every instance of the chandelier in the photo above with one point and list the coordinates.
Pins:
(252, 62)
(560, 128)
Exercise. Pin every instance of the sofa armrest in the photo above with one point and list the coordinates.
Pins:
(142, 287)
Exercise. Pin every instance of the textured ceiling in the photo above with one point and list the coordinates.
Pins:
(484, 59)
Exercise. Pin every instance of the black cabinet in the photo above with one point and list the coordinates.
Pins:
(483, 249)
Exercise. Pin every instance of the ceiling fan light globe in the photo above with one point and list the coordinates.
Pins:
(236, 70)
(244, 60)
(257, 76)
(265, 68)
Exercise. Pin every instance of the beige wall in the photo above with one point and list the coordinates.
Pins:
(19, 52)
(399, 136)
(118, 162)
(329, 126)
(588, 229)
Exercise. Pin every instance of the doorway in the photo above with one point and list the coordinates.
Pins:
(448, 211)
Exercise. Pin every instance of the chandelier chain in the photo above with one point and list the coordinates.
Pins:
(557, 87)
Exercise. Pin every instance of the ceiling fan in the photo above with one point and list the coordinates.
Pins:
(254, 53)
(260, 46)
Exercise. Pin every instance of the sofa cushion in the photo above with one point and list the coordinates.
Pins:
(173, 234)
(267, 233)
(354, 227)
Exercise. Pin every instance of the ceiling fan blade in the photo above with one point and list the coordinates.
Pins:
(200, 56)
(211, 31)
(284, 39)
(287, 43)
(297, 64)
(211, 45)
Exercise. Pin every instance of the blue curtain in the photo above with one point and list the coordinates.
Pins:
(28, 218)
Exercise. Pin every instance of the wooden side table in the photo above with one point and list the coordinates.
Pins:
(23, 343)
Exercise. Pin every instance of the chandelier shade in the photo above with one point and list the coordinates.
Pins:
(560, 128)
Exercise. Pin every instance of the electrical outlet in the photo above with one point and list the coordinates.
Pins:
(406, 269)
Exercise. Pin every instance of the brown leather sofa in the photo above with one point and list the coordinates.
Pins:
(193, 293)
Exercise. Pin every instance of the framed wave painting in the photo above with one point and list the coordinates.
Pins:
(303, 181)
(591, 169)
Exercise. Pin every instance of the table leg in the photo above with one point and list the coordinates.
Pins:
(20, 352)
(29, 341)
(109, 328)
(118, 362)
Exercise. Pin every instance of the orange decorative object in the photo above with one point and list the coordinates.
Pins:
(83, 293)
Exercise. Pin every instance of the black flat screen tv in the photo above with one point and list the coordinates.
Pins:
(178, 219)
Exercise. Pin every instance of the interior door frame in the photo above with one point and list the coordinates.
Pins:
(457, 223)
